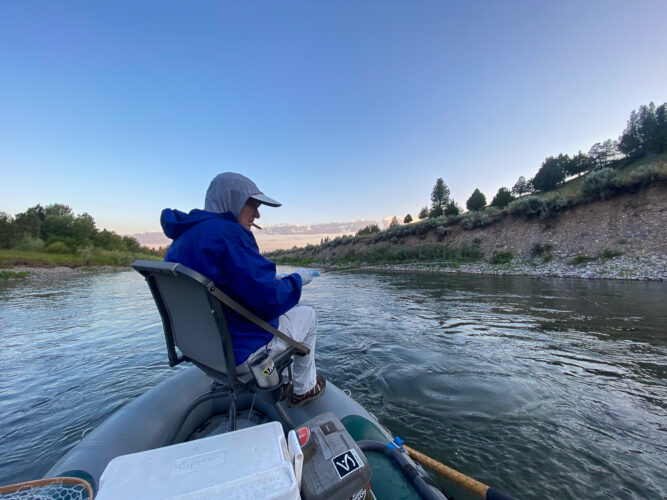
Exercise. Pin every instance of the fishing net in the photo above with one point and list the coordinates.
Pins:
(55, 488)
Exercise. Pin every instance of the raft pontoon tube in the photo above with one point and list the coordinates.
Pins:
(217, 396)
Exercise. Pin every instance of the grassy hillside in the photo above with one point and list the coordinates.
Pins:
(96, 257)
(461, 238)
(572, 188)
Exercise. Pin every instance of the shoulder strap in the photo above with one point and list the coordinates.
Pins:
(232, 304)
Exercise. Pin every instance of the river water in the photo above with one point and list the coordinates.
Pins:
(542, 388)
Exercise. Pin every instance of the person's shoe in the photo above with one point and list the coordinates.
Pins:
(296, 400)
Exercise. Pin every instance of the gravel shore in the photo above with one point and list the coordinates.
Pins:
(651, 268)
(38, 272)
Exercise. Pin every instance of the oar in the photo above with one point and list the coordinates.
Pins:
(467, 482)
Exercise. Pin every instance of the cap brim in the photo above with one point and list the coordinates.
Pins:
(262, 198)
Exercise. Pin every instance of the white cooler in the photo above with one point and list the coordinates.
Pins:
(250, 463)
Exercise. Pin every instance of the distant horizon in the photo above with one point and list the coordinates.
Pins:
(269, 237)
(282, 236)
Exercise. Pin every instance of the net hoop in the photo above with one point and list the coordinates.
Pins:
(61, 484)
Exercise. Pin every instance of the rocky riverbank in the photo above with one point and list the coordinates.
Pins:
(652, 268)
(38, 272)
(620, 237)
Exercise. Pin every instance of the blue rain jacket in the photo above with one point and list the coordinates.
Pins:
(224, 251)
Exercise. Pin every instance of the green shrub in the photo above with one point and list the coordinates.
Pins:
(29, 244)
(384, 252)
(452, 220)
(98, 257)
(442, 232)
(643, 175)
(536, 206)
(543, 251)
(349, 256)
(581, 259)
(600, 184)
(57, 247)
(502, 257)
(608, 253)
(368, 230)
(539, 249)
(528, 206)
(554, 205)
(472, 220)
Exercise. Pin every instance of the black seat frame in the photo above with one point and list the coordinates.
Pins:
(234, 383)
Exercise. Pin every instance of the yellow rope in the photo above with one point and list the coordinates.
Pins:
(467, 482)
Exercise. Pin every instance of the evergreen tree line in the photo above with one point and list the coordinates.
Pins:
(56, 229)
(645, 135)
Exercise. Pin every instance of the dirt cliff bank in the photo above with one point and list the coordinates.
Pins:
(622, 237)
(634, 224)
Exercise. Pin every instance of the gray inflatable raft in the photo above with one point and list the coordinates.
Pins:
(181, 408)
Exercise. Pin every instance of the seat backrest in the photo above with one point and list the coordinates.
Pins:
(192, 318)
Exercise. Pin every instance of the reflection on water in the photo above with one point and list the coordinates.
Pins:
(543, 388)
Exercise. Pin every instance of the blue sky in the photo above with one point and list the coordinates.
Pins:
(341, 110)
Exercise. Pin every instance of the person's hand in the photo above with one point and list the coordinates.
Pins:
(307, 275)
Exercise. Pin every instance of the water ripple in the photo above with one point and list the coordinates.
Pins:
(528, 385)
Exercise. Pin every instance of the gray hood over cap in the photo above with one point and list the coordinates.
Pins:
(228, 192)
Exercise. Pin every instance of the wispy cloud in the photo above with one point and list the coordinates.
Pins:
(153, 239)
(282, 235)
(289, 235)
(325, 228)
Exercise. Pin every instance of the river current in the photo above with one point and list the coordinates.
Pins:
(543, 388)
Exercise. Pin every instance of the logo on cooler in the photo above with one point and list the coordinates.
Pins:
(347, 462)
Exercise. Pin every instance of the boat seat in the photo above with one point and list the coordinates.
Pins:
(193, 319)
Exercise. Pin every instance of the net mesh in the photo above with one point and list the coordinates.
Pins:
(57, 488)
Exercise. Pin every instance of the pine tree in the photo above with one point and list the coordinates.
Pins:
(502, 198)
(436, 211)
(477, 201)
(521, 186)
(645, 132)
(440, 194)
(551, 173)
(452, 209)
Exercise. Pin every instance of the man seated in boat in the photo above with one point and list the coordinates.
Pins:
(218, 243)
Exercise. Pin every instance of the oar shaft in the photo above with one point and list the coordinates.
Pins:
(467, 482)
